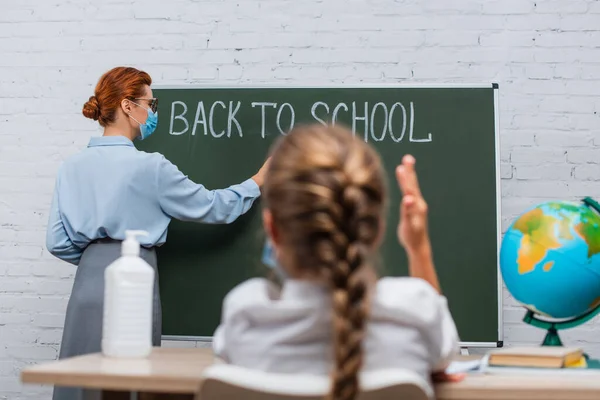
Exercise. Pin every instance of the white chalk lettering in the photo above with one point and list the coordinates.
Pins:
(357, 118)
(200, 110)
(336, 110)
(391, 122)
(231, 118)
(314, 109)
(262, 106)
(179, 117)
(382, 120)
(292, 118)
(385, 121)
(412, 124)
(211, 114)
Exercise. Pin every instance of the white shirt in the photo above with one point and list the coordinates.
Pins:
(409, 327)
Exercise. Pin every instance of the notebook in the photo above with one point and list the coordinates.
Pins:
(537, 357)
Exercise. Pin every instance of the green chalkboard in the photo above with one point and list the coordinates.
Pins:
(220, 136)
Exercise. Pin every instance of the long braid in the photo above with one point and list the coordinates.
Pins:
(349, 288)
(349, 314)
(325, 190)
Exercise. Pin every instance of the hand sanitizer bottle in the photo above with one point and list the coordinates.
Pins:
(128, 299)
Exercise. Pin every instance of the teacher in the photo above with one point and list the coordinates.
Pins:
(111, 187)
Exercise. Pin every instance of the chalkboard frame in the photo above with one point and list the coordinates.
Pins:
(366, 85)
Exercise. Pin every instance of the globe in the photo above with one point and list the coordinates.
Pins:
(550, 259)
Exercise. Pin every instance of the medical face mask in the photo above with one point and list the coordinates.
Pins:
(147, 128)
(269, 259)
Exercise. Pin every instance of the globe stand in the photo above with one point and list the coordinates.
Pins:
(552, 338)
(553, 326)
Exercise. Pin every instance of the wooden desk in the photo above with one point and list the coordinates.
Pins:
(167, 371)
(496, 387)
(178, 371)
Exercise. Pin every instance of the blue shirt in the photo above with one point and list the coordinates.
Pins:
(111, 187)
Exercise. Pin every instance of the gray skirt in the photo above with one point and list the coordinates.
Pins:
(82, 332)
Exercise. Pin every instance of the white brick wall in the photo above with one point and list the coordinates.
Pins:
(545, 55)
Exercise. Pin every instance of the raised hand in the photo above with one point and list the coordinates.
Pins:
(259, 178)
(412, 229)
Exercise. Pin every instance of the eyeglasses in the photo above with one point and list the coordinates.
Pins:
(152, 103)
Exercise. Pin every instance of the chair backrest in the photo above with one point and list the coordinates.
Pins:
(228, 382)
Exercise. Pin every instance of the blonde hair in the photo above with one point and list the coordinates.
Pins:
(326, 190)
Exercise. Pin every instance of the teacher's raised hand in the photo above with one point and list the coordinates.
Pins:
(259, 178)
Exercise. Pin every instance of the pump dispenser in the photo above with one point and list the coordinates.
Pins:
(128, 300)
